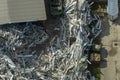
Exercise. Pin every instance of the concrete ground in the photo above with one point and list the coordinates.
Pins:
(110, 39)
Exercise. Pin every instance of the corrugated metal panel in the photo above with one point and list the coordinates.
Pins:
(21, 10)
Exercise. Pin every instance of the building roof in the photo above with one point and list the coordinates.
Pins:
(12, 11)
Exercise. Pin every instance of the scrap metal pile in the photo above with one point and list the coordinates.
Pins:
(63, 59)
(66, 60)
(18, 58)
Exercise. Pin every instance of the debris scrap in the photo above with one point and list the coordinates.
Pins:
(63, 59)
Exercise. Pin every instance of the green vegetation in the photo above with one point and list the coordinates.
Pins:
(95, 69)
(100, 8)
(56, 7)
(97, 5)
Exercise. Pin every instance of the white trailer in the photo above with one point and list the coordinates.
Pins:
(112, 9)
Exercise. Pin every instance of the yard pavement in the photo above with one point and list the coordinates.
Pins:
(110, 52)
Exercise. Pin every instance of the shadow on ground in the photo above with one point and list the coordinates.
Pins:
(117, 21)
(105, 28)
(104, 54)
(103, 64)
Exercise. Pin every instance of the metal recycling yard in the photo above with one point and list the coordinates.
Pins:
(59, 40)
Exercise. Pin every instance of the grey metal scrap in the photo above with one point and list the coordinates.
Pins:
(64, 60)
(18, 59)
(70, 62)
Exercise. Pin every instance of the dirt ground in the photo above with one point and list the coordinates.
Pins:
(110, 39)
